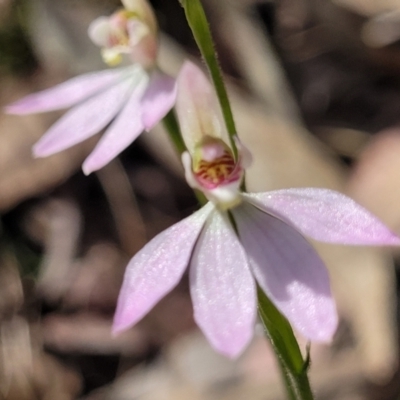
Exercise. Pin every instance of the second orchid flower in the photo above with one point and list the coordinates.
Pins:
(132, 99)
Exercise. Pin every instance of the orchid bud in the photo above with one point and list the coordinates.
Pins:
(131, 31)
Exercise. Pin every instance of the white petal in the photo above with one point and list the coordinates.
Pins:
(158, 99)
(222, 288)
(289, 271)
(326, 215)
(67, 93)
(122, 132)
(84, 120)
(157, 268)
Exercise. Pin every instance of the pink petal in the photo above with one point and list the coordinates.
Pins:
(222, 288)
(66, 94)
(123, 131)
(327, 216)
(197, 106)
(157, 268)
(159, 98)
(289, 271)
(84, 120)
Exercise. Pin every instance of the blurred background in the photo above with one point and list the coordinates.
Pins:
(315, 87)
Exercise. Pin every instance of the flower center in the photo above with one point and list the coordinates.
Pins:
(123, 33)
(120, 35)
(215, 166)
(118, 38)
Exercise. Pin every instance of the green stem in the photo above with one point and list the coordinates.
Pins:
(171, 125)
(201, 31)
(279, 332)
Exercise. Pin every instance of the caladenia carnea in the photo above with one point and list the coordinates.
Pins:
(239, 239)
(131, 31)
(133, 98)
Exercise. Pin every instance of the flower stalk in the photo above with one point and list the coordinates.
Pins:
(172, 127)
(280, 334)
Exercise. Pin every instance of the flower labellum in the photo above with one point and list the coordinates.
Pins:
(129, 99)
(263, 244)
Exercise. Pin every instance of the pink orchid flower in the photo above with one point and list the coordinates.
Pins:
(132, 99)
(239, 238)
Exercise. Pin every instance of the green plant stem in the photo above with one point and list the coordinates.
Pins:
(198, 23)
(171, 125)
(279, 332)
